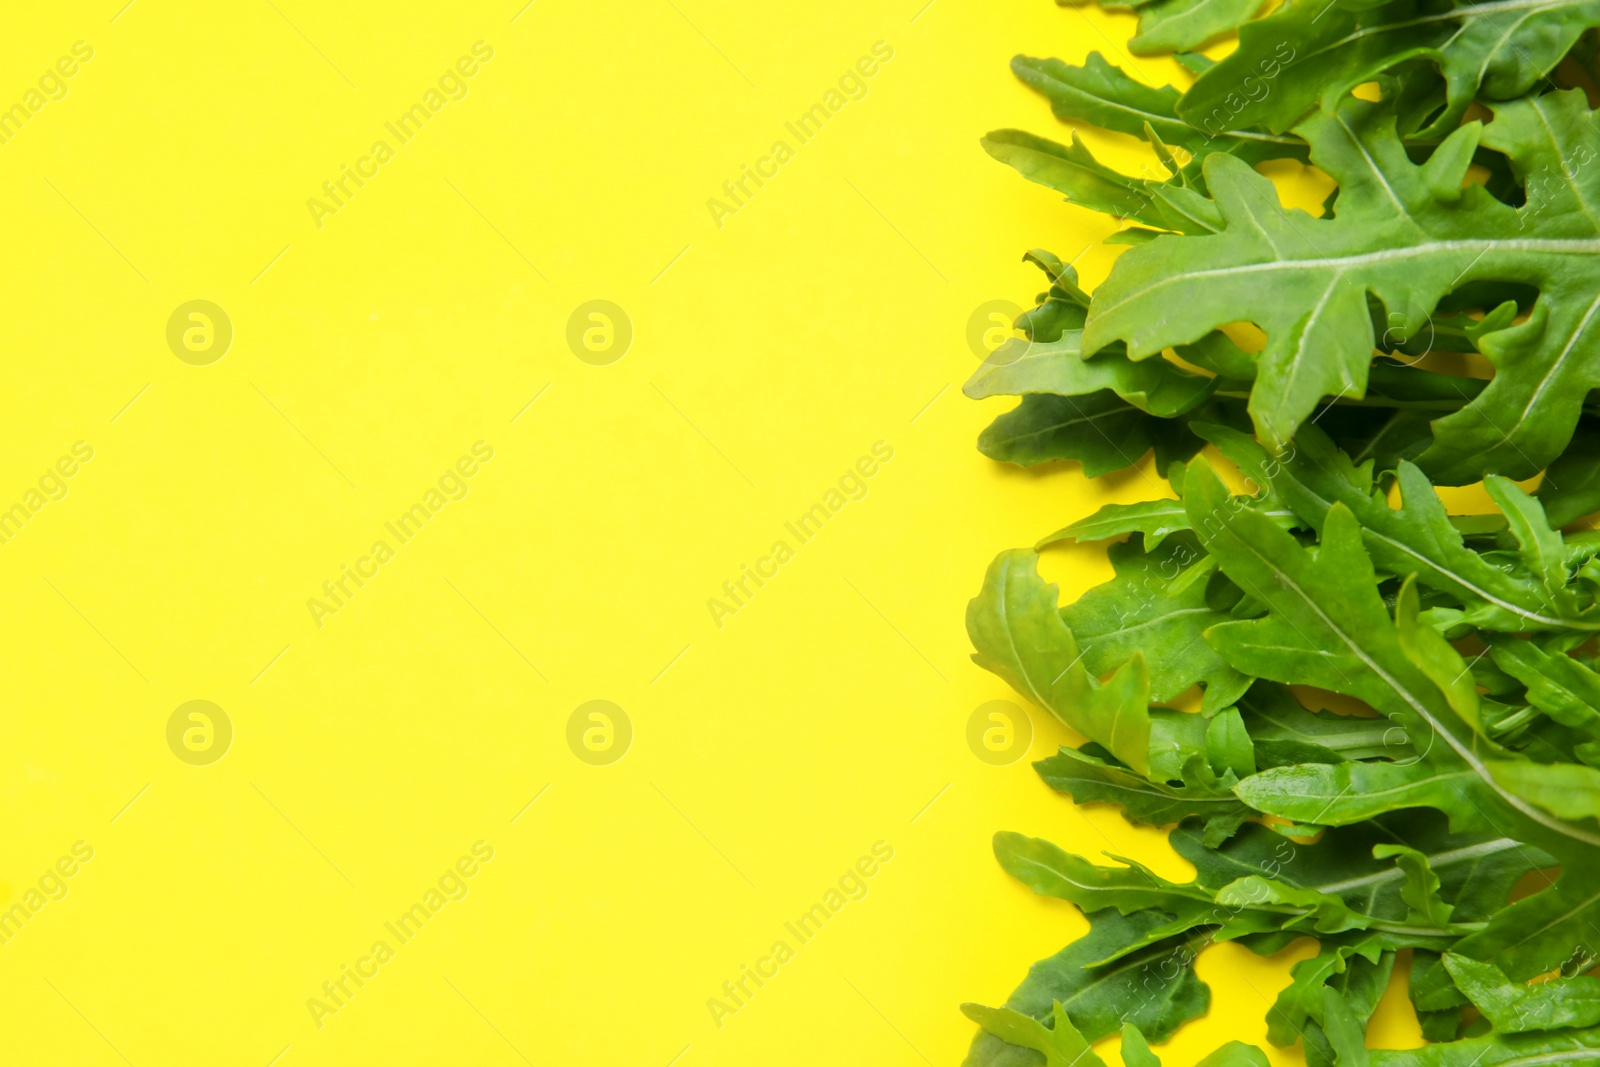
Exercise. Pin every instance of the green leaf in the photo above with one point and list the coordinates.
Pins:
(1155, 519)
(1310, 52)
(1421, 891)
(1304, 280)
(1018, 632)
(1476, 871)
(1558, 685)
(1283, 731)
(1301, 1000)
(1531, 937)
(1569, 790)
(1101, 431)
(1435, 657)
(1154, 988)
(1144, 607)
(1417, 538)
(1089, 780)
(1513, 1008)
(1571, 486)
(1349, 1000)
(1345, 1029)
(1180, 25)
(1329, 628)
(1061, 1044)
(1228, 745)
(1135, 1050)
(1052, 872)
(1306, 909)
(1236, 1054)
(1102, 95)
(1552, 1048)
(1247, 906)
(1341, 794)
(1088, 183)
(1156, 386)
(1542, 549)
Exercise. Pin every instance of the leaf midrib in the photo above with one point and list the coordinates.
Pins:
(1542, 246)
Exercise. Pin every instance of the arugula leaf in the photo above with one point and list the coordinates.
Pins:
(1421, 892)
(1135, 1049)
(1569, 790)
(1345, 1040)
(1310, 52)
(1050, 871)
(1284, 732)
(1418, 538)
(1088, 183)
(1181, 25)
(1155, 519)
(1476, 871)
(1408, 233)
(1018, 632)
(1514, 1009)
(1349, 1000)
(1571, 486)
(1178, 25)
(1062, 1045)
(1089, 779)
(1102, 95)
(1558, 685)
(1236, 1054)
(1145, 606)
(1154, 988)
(1101, 431)
(1301, 1001)
(1155, 386)
(1329, 628)
(1246, 906)
(1105, 412)
(1497, 1050)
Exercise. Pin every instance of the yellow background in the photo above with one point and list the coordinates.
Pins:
(769, 354)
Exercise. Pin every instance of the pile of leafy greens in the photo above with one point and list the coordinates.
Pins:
(1437, 324)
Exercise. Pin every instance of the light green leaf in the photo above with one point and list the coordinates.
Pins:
(1569, 790)
(1156, 386)
(1346, 1031)
(1052, 872)
(1304, 280)
(1088, 183)
(1155, 519)
(1180, 25)
(1553, 1048)
(1558, 685)
(1421, 892)
(1016, 627)
(1435, 657)
(1147, 606)
(1061, 1044)
(1514, 1008)
(1135, 1050)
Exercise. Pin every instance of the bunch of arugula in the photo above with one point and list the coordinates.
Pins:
(1454, 814)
